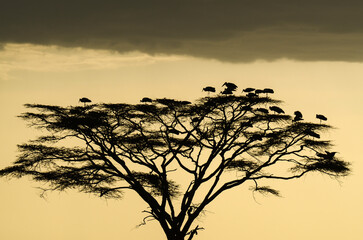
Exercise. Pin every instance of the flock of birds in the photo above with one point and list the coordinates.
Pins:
(253, 92)
(250, 92)
(231, 87)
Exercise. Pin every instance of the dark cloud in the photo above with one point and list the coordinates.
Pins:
(240, 30)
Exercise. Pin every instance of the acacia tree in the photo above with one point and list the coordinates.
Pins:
(108, 148)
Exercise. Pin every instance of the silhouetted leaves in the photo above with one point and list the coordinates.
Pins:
(332, 167)
(317, 145)
(158, 186)
(266, 190)
(106, 148)
(242, 165)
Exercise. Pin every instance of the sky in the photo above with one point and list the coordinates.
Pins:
(309, 52)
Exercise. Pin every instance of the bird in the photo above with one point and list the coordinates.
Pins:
(247, 90)
(263, 110)
(276, 109)
(330, 155)
(230, 86)
(85, 100)
(327, 155)
(298, 116)
(321, 117)
(311, 133)
(322, 155)
(146, 99)
(209, 89)
(258, 91)
(268, 90)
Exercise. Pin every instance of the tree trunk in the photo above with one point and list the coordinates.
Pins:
(176, 235)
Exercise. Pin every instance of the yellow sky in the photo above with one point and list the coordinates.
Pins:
(314, 207)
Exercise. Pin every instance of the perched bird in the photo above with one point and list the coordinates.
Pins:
(209, 89)
(268, 90)
(146, 99)
(321, 117)
(84, 100)
(276, 109)
(298, 116)
(330, 155)
(327, 155)
(230, 86)
(322, 155)
(311, 133)
(247, 90)
(258, 91)
(263, 110)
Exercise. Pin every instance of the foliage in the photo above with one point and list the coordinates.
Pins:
(107, 148)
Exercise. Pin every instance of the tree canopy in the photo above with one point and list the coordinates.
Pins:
(177, 156)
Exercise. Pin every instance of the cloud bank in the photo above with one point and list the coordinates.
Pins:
(38, 58)
(227, 30)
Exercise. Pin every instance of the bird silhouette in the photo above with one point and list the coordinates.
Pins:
(263, 110)
(209, 89)
(327, 155)
(84, 100)
(247, 90)
(146, 99)
(267, 91)
(330, 155)
(321, 117)
(298, 116)
(276, 109)
(230, 86)
(258, 91)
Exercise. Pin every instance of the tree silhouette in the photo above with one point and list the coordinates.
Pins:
(209, 146)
